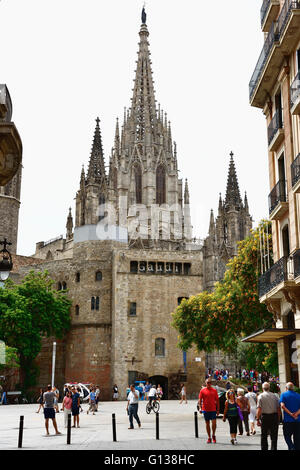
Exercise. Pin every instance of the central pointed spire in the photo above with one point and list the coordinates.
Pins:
(233, 197)
(96, 170)
(143, 109)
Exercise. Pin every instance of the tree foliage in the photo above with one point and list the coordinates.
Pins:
(30, 311)
(218, 320)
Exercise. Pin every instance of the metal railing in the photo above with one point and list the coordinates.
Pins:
(295, 89)
(277, 195)
(273, 277)
(263, 11)
(295, 170)
(275, 125)
(296, 263)
(285, 12)
(272, 37)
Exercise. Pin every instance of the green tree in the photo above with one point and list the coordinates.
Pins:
(219, 319)
(30, 311)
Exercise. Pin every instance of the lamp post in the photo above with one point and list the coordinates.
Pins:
(6, 263)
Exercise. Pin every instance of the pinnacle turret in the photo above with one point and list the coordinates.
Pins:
(96, 170)
(233, 198)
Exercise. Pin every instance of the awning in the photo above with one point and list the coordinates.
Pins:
(271, 335)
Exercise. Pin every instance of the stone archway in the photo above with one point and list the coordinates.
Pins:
(163, 382)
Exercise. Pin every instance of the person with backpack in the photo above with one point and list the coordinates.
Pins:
(231, 412)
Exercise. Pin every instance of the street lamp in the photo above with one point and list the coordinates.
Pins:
(6, 263)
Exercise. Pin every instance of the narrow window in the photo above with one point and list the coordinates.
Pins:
(76, 310)
(59, 286)
(98, 276)
(93, 303)
(132, 309)
(77, 277)
(64, 286)
(160, 185)
(97, 303)
(160, 347)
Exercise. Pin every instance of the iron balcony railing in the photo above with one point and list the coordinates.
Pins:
(263, 10)
(273, 277)
(272, 37)
(295, 170)
(277, 195)
(285, 12)
(275, 125)
(295, 89)
(296, 263)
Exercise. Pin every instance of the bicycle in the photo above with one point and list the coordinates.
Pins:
(154, 405)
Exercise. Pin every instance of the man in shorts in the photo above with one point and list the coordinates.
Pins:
(49, 411)
(209, 405)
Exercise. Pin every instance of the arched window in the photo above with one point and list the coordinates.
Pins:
(59, 286)
(97, 303)
(64, 286)
(138, 183)
(77, 277)
(98, 276)
(76, 310)
(160, 347)
(160, 185)
(93, 303)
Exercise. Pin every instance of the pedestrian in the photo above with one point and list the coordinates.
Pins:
(56, 392)
(253, 405)
(75, 407)
(232, 414)
(97, 392)
(159, 392)
(40, 400)
(92, 401)
(183, 394)
(115, 392)
(290, 404)
(49, 410)
(244, 405)
(147, 388)
(268, 417)
(132, 406)
(209, 405)
(67, 407)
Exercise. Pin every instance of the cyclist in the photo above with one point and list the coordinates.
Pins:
(152, 395)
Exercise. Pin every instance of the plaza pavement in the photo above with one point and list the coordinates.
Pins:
(177, 431)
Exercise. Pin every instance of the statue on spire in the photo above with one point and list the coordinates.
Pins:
(144, 16)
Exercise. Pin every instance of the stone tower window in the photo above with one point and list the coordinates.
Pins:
(77, 277)
(93, 303)
(160, 344)
(138, 183)
(97, 303)
(132, 309)
(59, 286)
(64, 286)
(76, 310)
(160, 185)
(98, 276)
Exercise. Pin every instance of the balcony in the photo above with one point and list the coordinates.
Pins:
(296, 263)
(275, 132)
(295, 95)
(266, 69)
(272, 278)
(278, 204)
(268, 13)
(289, 26)
(295, 173)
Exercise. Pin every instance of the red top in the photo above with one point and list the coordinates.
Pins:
(209, 399)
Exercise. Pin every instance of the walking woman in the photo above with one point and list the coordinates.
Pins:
(183, 394)
(253, 405)
(231, 413)
(40, 400)
(67, 407)
(244, 405)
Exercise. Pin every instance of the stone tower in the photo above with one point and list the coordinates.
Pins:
(142, 192)
(232, 225)
(9, 210)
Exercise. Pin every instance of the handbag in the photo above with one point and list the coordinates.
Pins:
(240, 413)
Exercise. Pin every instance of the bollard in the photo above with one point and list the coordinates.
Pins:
(196, 423)
(157, 425)
(21, 427)
(69, 429)
(114, 427)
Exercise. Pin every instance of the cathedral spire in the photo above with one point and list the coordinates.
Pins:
(69, 225)
(186, 193)
(96, 170)
(212, 226)
(233, 197)
(143, 110)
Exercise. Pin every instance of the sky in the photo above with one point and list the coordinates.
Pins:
(65, 62)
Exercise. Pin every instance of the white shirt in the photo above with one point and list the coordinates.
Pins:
(132, 397)
(152, 392)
